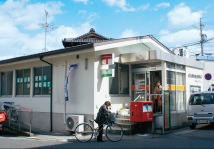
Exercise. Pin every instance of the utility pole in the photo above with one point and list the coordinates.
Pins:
(48, 27)
(202, 38)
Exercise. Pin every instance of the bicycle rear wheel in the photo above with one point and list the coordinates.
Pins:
(114, 132)
(83, 132)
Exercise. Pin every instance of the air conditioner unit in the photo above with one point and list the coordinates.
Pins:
(73, 120)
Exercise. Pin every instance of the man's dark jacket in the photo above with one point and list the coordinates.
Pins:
(101, 115)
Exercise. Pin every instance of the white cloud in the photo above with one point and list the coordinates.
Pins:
(162, 5)
(179, 38)
(182, 15)
(144, 7)
(182, 37)
(27, 15)
(82, 12)
(119, 3)
(15, 37)
(93, 16)
(128, 33)
(84, 1)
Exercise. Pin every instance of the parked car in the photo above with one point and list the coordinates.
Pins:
(200, 108)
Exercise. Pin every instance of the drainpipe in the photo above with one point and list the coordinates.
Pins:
(51, 91)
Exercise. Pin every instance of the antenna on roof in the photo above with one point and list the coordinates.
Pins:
(47, 27)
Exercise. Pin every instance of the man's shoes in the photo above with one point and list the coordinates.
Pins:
(100, 141)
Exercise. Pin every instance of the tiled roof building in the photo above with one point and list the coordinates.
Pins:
(90, 37)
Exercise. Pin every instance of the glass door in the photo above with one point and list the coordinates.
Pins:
(140, 86)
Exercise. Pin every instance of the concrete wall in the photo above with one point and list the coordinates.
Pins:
(193, 81)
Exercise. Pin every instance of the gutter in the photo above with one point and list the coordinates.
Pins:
(51, 103)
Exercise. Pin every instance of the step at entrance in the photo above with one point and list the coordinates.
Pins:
(124, 121)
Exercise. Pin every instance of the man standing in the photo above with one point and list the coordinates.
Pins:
(157, 99)
(101, 118)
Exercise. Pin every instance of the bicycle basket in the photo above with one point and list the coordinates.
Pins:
(111, 117)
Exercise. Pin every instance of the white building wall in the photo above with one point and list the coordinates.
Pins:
(80, 84)
(193, 80)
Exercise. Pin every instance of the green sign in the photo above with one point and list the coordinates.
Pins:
(108, 73)
(28, 79)
(18, 80)
(48, 84)
(36, 78)
(25, 79)
(21, 80)
(28, 85)
(36, 85)
(40, 78)
(40, 84)
(166, 111)
(45, 78)
(44, 84)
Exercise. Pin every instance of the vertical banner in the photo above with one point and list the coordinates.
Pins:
(166, 110)
(66, 81)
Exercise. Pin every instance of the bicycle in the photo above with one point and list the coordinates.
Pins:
(85, 131)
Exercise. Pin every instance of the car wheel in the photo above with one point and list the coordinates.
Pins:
(192, 126)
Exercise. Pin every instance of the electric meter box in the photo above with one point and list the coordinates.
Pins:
(141, 111)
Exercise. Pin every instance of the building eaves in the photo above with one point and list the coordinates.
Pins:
(133, 38)
(49, 53)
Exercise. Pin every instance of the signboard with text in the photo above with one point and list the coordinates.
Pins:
(166, 110)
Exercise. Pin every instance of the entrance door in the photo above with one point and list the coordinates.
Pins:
(140, 86)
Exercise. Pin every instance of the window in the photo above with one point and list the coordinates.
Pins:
(23, 82)
(180, 91)
(6, 83)
(170, 77)
(170, 65)
(198, 99)
(195, 89)
(42, 80)
(176, 81)
(180, 67)
(120, 83)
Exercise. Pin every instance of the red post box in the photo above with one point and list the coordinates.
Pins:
(141, 111)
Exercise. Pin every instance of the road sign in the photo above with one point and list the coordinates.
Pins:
(208, 76)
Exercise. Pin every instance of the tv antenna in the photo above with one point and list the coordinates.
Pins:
(47, 27)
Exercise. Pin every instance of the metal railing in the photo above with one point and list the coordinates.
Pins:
(14, 114)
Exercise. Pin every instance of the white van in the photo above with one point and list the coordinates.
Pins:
(200, 108)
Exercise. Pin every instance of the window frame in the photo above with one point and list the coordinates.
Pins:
(22, 82)
(118, 94)
(6, 84)
(41, 95)
(175, 71)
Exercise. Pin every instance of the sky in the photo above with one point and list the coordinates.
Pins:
(172, 22)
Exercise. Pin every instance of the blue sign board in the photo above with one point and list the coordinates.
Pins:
(208, 76)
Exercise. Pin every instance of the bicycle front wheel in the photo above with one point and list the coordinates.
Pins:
(114, 132)
(84, 132)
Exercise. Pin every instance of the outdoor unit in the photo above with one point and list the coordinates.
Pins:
(72, 121)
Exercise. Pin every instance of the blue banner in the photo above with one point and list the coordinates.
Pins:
(66, 81)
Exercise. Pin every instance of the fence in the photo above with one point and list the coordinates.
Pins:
(14, 114)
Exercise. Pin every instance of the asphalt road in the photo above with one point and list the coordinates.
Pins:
(201, 137)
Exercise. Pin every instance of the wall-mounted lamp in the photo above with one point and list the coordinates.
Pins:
(86, 63)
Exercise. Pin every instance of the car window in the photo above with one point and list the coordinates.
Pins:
(199, 99)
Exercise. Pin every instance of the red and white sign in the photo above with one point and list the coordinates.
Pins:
(208, 76)
(108, 59)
